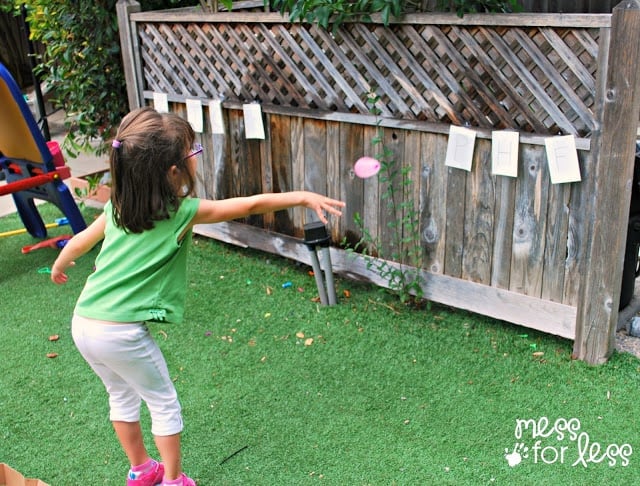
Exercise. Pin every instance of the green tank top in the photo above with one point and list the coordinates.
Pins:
(140, 276)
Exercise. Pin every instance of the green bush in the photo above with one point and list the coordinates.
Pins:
(336, 12)
(82, 63)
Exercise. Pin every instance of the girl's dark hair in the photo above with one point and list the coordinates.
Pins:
(150, 143)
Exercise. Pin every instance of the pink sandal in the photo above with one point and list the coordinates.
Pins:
(186, 481)
(150, 478)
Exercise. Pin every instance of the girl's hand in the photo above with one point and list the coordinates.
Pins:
(77, 246)
(58, 275)
(321, 204)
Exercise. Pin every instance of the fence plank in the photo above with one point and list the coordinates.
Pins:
(582, 20)
(391, 194)
(238, 155)
(555, 255)
(529, 222)
(505, 192)
(280, 129)
(351, 148)
(266, 168)
(333, 167)
(205, 172)
(433, 186)
(219, 159)
(476, 259)
(130, 63)
(372, 190)
(613, 158)
(454, 225)
(298, 168)
(575, 243)
(412, 163)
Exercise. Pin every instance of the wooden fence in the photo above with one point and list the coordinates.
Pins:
(524, 250)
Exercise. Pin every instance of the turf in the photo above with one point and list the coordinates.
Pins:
(279, 390)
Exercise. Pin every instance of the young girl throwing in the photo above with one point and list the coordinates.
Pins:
(140, 277)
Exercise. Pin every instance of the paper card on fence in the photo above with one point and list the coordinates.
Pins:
(253, 125)
(562, 158)
(194, 115)
(161, 102)
(460, 148)
(215, 117)
(504, 153)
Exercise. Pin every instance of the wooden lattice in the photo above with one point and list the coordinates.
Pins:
(533, 79)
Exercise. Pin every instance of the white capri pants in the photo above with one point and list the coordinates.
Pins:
(132, 368)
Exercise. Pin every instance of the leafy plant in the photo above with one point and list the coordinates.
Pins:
(405, 250)
(90, 190)
(82, 61)
(336, 12)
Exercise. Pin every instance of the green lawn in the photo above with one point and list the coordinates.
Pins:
(278, 390)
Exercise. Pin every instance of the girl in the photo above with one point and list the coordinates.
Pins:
(140, 276)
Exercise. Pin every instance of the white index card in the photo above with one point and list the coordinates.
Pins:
(504, 153)
(215, 117)
(460, 148)
(562, 158)
(253, 125)
(161, 102)
(194, 115)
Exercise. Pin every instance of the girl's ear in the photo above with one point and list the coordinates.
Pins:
(174, 172)
(175, 176)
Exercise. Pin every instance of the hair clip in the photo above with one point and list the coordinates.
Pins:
(116, 143)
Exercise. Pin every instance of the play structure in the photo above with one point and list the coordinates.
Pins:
(33, 168)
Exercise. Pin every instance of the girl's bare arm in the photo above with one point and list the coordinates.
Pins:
(77, 246)
(239, 207)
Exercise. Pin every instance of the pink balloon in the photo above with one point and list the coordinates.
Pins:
(366, 167)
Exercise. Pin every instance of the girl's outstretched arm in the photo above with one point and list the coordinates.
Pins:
(77, 246)
(240, 207)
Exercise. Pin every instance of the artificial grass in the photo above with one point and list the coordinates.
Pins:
(278, 390)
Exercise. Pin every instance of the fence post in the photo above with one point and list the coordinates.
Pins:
(128, 45)
(612, 159)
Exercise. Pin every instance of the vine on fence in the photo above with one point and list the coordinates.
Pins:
(401, 266)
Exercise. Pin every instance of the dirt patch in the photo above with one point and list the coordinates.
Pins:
(627, 344)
